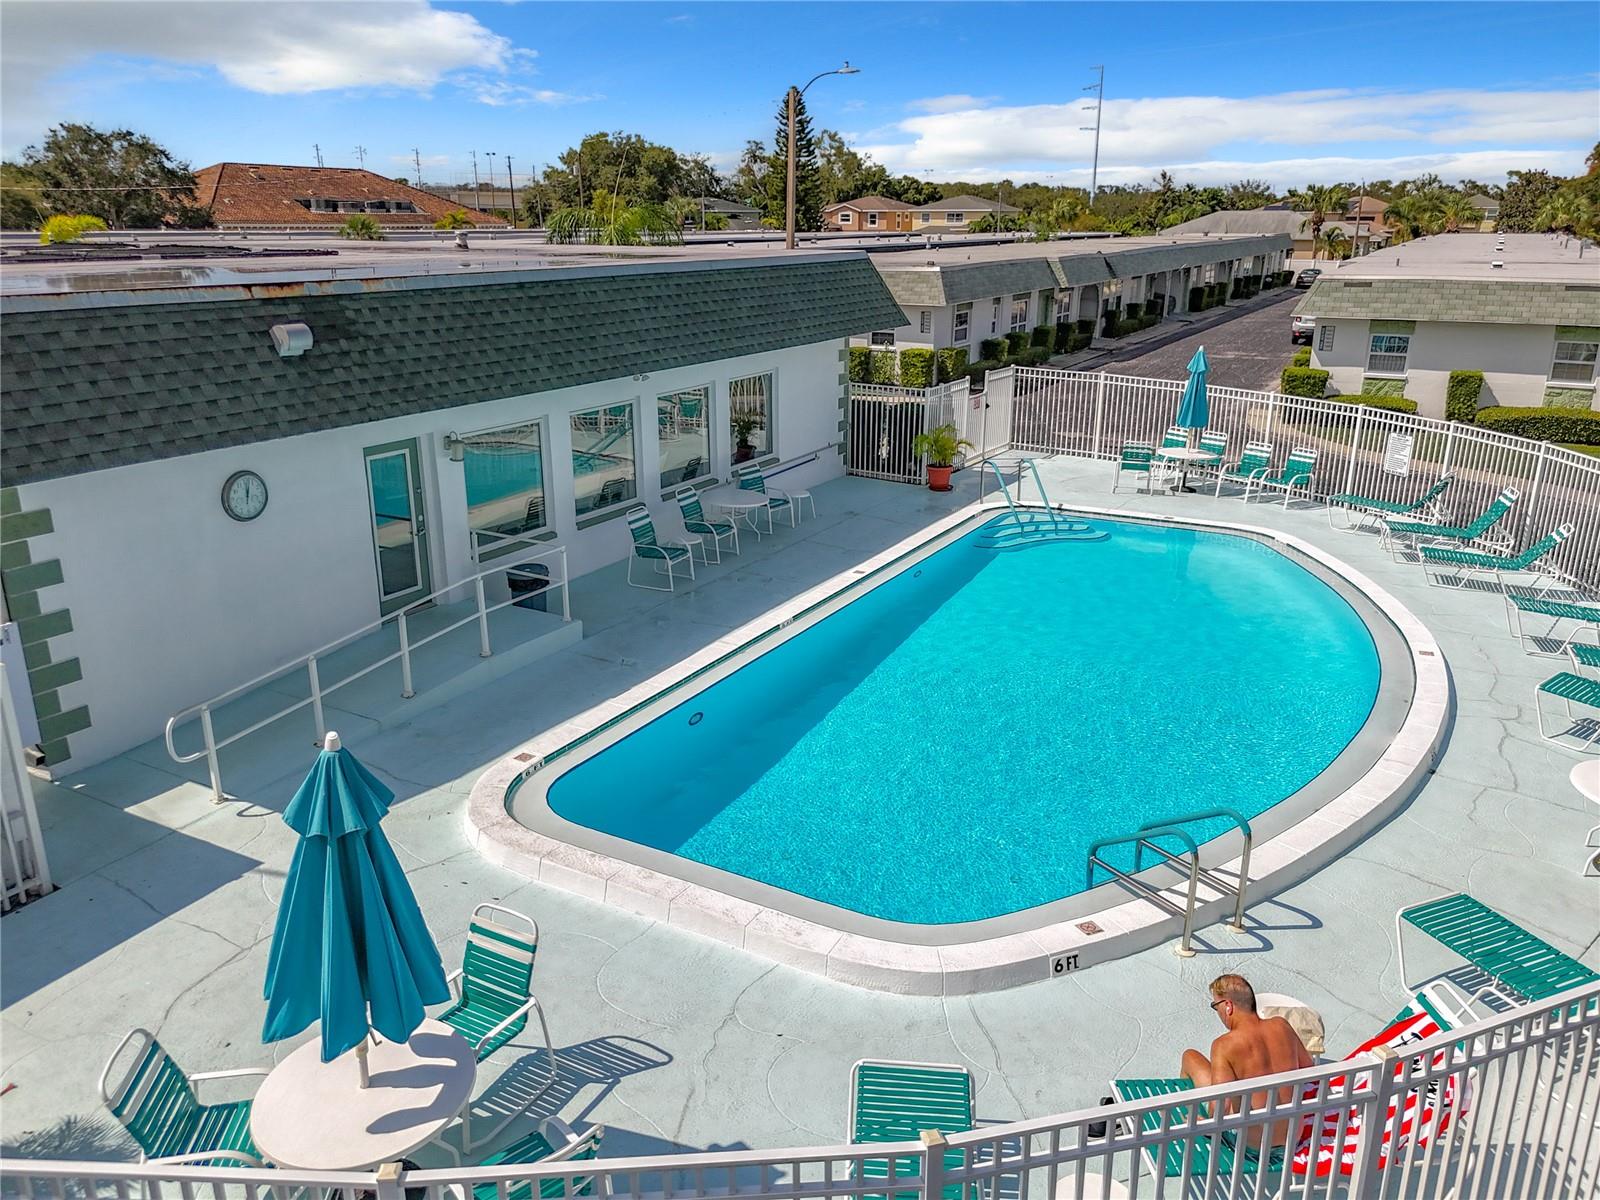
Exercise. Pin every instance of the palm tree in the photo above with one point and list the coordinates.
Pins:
(361, 228)
(1457, 212)
(1406, 216)
(1564, 212)
(1334, 243)
(1320, 200)
(615, 224)
(1065, 211)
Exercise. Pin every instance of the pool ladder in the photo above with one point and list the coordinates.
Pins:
(1142, 839)
(1025, 527)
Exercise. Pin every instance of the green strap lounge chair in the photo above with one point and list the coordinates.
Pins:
(896, 1101)
(1575, 692)
(1175, 438)
(750, 478)
(1519, 607)
(1215, 443)
(1136, 459)
(553, 1141)
(664, 557)
(1525, 969)
(696, 522)
(1411, 534)
(1585, 658)
(494, 986)
(1453, 568)
(1294, 477)
(155, 1102)
(1253, 465)
(1426, 507)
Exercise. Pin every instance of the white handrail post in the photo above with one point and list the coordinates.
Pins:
(211, 754)
(387, 1179)
(1355, 449)
(483, 618)
(316, 696)
(406, 691)
(1099, 409)
(566, 597)
(933, 1147)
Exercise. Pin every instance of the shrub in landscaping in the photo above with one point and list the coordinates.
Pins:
(1461, 395)
(1572, 426)
(1302, 357)
(1387, 403)
(858, 363)
(952, 363)
(981, 368)
(1070, 338)
(880, 367)
(994, 348)
(1197, 299)
(1043, 335)
(1035, 356)
(1303, 381)
(1016, 343)
(1133, 311)
(1063, 338)
(916, 367)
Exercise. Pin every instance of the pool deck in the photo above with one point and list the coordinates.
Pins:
(678, 1042)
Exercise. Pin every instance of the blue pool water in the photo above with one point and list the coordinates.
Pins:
(946, 747)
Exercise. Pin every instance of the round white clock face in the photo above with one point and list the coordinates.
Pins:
(244, 496)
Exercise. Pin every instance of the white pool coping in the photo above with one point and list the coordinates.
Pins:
(997, 962)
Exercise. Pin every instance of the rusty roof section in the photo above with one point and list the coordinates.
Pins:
(266, 194)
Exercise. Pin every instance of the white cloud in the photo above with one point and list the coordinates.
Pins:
(503, 93)
(957, 102)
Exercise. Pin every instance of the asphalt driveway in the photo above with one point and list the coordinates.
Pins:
(1245, 351)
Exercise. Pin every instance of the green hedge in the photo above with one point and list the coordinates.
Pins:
(1034, 356)
(981, 368)
(994, 348)
(880, 367)
(858, 363)
(952, 363)
(1016, 343)
(1132, 311)
(1571, 426)
(1197, 299)
(1043, 335)
(1388, 403)
(1303, 381)
(1461, 395)
(916, 367)
(1302, 357)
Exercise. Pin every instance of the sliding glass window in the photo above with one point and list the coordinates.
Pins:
(504, 474)
(683, 420)
(603, 458)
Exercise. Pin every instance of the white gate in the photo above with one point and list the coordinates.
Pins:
(885, 420)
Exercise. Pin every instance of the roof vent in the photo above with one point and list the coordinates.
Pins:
(291, 340)
(1497, 265)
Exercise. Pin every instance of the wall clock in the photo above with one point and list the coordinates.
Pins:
(244, 496)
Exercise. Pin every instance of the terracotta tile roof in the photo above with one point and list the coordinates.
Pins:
(871, 203)
(264, 194)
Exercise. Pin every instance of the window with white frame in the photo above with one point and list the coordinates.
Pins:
(1019, 312)
(503, 470)
(1047, 306)
(750, 416)
(924, 321)
(1387, 353)
(872, 218)
(847, 217)
(994, 316)
(963, 324)
(683, 423)
(955, 218)
(1324, 338)
(1574, 361)
(883, 339)
(604, 458)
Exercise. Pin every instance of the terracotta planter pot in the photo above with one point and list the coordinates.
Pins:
(939, 478)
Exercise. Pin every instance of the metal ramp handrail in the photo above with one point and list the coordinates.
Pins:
(1142, 840)
(1005, 491)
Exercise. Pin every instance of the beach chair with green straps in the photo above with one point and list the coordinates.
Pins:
(751, 478)
(1575, 692)
(1524, 968)
(1295, 476)
(1253, 466)
(1584, 618)
(896, 1101)
(1136, 459)
(664, 557)
(155, 1101)
(696, 522)
(1454, 568)
(494, 986)
(1426, 507)
(553, 1141)
(1408, 535)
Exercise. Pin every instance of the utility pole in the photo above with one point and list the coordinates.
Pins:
(1099, 90)
(511, 180)
(317, 150)
(475, 184)
(416, 161)
(491, 156)
(361, 155)
(793, 100)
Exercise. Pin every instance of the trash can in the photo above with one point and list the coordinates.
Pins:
(529, 583)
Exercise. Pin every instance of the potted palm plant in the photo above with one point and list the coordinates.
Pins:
(940, 447)
(744, 424)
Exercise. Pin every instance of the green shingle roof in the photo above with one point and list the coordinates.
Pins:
(1477, 301)
(91, 387)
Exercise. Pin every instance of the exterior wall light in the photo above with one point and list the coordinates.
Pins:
(455, 446)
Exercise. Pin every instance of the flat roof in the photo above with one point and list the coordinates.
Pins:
(1528, 257)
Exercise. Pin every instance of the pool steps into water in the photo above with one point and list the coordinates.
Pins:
(1018, 529)
(1172, 828)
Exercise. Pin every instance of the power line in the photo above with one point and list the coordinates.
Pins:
(361, 154)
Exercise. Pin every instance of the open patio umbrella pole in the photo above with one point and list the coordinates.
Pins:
(350, 947)
(1194, 409)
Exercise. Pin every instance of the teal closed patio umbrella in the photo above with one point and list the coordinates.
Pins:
(1193, 408)
(350, 948)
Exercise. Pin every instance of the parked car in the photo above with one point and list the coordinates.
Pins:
(1300, 330)
(1307, 277)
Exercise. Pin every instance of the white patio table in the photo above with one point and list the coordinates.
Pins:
(313, 1115)
(1185, 455)
(739, 503)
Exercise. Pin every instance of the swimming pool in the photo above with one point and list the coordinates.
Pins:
(943, 748)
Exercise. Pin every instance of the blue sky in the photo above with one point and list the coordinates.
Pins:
(1213, 92)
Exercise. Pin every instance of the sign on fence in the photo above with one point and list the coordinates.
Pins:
(1397, 453)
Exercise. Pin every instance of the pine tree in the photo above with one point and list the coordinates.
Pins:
(807, 171)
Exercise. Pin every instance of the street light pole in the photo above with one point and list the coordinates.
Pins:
(793, 102)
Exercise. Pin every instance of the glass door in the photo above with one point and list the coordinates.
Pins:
(399, 529)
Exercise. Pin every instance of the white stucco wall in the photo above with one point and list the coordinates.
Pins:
(173, 602)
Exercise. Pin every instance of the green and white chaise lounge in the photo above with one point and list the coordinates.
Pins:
(1575, 692)
(1136, 459)
(696, 522)
(155, 1102)
(1413, 534)
(897, 1102)
(1294, 477)
(751, 478)
(494, 987)
(1254, 465)
(1524, 968)
(553, 1141)
(1426, 507)
(1519, 607)
(664, 557)
(1453, 568)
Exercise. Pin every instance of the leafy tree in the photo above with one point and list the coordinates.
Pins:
(807, 170)
(1321, 200)
(749, 177)
(625, 163)
(1525, 194)
(1565, 212)
(908, 189)
(1249, 193)
(843, 174)
(64, 228)
(615, 224)
(699, 178)
(122, 177)
(22, 203)
(714, 222)
(995, 223)
(455, 219)
(361, 228)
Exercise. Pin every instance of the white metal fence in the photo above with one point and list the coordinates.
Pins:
(24, 869)
(884, 420)
(1508, 1107)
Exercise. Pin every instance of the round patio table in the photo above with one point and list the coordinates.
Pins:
(1185, 455)
(313, 1115)
(740, 503)
(1586, 778)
